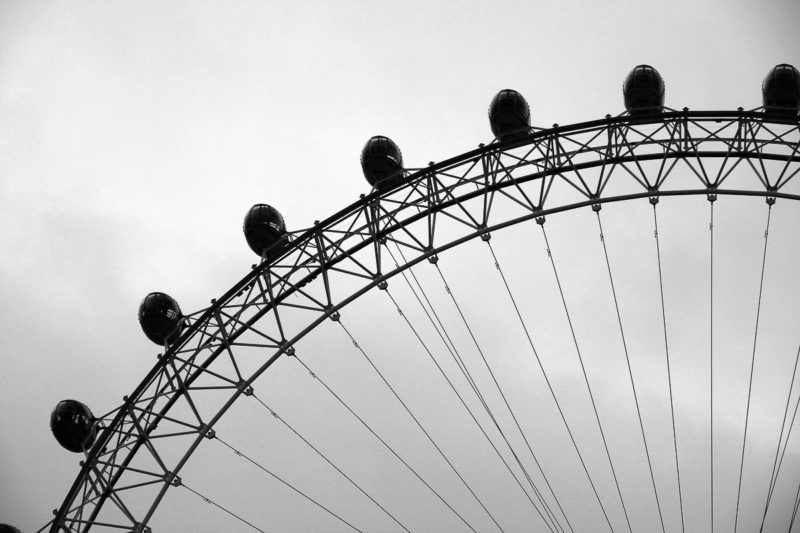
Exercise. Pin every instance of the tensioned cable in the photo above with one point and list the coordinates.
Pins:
(472, 415)
(773, 476)
(589, 388)
(464, 370)
(218, 506)
(502, 394)
(630, 370)
(669, 370)
(348, 478)
(449, 382)
(752, 365)
(788, 436)
(462, 366)
(711, 200)
(530, 341)
(505, 401)
(459, 362)
(419, 424)
(286, 483)
(443, 334)
(369, 428)
(794, 510)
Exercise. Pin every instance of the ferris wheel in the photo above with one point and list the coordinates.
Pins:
(406, 244)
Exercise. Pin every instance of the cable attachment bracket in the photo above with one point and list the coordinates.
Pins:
(654, 196)
(289, 349)
(244, 388)
(173, 479)
(207, 432)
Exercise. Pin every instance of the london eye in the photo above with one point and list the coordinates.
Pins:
(507, 378)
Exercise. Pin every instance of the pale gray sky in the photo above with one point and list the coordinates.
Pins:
(134, 137)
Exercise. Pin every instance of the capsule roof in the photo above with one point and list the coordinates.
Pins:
(5, 528)
(781, 89)
(72, 424)
(264, 230)
(160, 318)
(382, 162)
(509, 115)
(643, 90)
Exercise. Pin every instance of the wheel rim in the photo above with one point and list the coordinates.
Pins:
(542, 174)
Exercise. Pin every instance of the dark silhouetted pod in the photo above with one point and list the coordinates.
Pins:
(160, 317)
(643, 90)
(509, 115)
(264, 230)
(781, 89)
(72, 424)
(382, 162)
(5, 528)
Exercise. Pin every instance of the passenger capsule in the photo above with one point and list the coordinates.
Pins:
(5, 528)
(382, 162)
(72, 424)
(781, 90)
(160, 318)
(643, 91)
(264, 230)
(509, 115)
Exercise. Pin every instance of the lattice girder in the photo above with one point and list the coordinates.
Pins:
(337, 260)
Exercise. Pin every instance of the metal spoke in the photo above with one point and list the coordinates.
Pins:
(630, 370)
(588, 387)
(505, 401)
(752, 365)
(419, 424)
(382, 441)
(472, 415)
(327, 460)
(654, 201)
(286, 483)
(218, 506)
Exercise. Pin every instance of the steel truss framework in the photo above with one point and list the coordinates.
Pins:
(329, 265)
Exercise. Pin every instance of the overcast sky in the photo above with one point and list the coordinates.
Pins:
(135, 135)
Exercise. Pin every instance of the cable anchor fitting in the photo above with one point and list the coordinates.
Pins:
(244, 388)
(207, 432)
(653, 195)
(173, 479)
